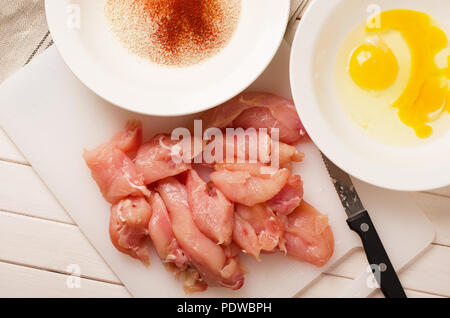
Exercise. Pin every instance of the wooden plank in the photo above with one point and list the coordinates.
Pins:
(325, 287)
(8, 151)
(54, 246)
(295, 5)
(301, 7)
(329, 286)
(443, 192)
(22, 191)
(19, 281)
(429, 272)
(438, 211)
(290, 32)
(51, 246)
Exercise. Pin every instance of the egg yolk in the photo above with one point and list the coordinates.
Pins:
(426, 94)
(373, 67)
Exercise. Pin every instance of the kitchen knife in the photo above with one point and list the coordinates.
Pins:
(360, 222)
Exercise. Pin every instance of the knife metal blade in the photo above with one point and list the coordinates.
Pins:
(360, 222)
(345, 188)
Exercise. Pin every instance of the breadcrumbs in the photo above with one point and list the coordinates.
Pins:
(174, 32)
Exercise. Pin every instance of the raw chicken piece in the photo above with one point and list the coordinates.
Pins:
(128, 228)
(168, 249)
(160, 231)
(208, 257)
(309, 237)
(246, 146)
(253, 145)
(130, 139)
(258, 228)
(288, 154)
(289, 198)
(245, 237)
(248, 189)
(258, 110)
(211, 211)
(112, 168)
(155, 159)
(193, 282)
(232, 275)
(232, 250)
(255, 169)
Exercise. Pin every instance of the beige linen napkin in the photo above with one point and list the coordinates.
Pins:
(23, 33)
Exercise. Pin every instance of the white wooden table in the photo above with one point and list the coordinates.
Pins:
(40, 246)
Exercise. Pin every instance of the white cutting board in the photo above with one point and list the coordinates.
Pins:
(51, 117)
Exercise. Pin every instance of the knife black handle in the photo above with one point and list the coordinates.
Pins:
(376, 254)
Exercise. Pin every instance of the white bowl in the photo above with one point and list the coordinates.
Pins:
(318, 39)
(102, 64)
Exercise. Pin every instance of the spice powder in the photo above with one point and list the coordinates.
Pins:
(174, 32)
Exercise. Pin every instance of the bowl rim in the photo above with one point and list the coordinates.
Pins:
(304, 96)
(92, 79)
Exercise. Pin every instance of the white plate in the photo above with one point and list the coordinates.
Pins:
(102, 64)
(319, 36)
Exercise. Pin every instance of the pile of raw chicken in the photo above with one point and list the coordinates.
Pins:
(199, 225)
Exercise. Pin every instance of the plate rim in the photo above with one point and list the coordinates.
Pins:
(303, 92)
(88, 79)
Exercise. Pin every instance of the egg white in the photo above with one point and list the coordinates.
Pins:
(372, 111)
